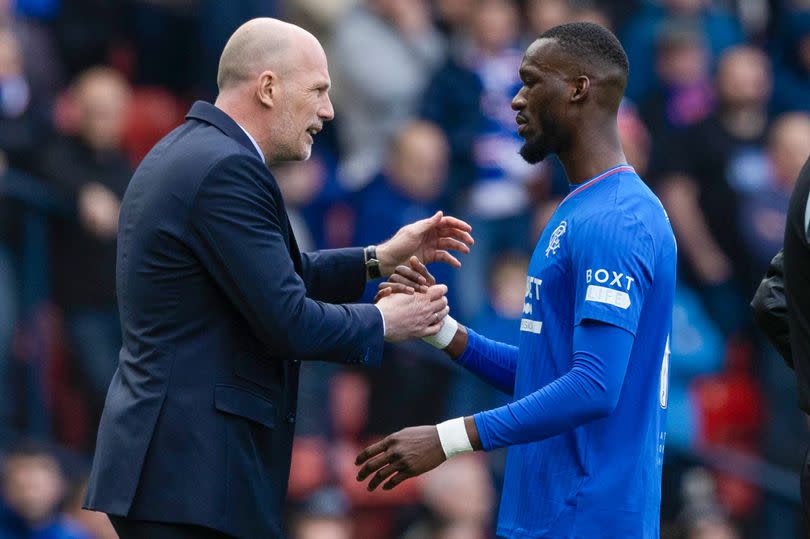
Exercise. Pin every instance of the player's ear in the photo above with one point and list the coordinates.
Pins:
(581, 86)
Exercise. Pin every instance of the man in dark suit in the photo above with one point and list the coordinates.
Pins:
(218, 306)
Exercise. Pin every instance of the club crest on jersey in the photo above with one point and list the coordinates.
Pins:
(554, 242)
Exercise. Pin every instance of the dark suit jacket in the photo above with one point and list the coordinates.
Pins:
(217, 308)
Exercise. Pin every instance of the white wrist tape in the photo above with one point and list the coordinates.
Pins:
(445, 335)
(453, 437)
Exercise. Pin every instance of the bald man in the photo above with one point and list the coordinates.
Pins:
(218, 306)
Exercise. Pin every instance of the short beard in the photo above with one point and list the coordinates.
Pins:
(285, 137)
(534, 150)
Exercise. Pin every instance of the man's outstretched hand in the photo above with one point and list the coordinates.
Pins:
(430, 240)
(400, 456)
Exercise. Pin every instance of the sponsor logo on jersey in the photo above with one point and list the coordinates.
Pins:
(532, 326)
(609, 296)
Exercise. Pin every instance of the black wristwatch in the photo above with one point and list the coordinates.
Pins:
(372, 263)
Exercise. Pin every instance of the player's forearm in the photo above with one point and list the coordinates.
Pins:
(589, 391)
(492, 361)
(459, 343)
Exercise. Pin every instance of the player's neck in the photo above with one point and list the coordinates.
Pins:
(589, 156)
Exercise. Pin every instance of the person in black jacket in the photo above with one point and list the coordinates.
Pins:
(90, 170)
(781, 305)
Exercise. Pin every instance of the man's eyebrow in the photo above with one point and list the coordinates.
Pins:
(526, 71)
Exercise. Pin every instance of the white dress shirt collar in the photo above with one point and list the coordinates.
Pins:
(255, 145)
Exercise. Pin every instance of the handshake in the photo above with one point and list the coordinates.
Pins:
(412, 304)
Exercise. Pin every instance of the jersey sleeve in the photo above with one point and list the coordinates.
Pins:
(612, 259)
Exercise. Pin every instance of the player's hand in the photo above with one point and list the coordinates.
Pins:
(400, 456)
(414, 316)
(414, 277)
(429, 239)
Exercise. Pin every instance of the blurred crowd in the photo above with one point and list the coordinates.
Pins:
(716, 120)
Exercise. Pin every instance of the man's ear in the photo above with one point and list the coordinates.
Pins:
(582, 85)
(267, 88)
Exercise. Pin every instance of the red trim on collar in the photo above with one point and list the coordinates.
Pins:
(598, 178)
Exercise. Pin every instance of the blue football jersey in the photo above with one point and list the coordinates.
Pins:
(607, 254)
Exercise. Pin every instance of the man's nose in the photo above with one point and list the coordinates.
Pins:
(519, 101)
(327, 111)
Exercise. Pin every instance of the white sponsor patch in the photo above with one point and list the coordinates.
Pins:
(603, 294)
(532, 326)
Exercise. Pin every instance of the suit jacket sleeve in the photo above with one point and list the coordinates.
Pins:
(770, 308)
(237, 225)
(335, 275)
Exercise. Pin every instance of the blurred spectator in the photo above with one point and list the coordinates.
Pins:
(33, 487)
(22, 127)
(792, 64)
(22, 122)
(317, 16)
(90, 169)
(214, 21)
(702, 517)
(704, 172)
(686, 93)
(324, 515)
(85, 32)
(161, 33)
(636, 140)
(591, 11)
(719, 28)
(406, 190)
(470, 98)
(763, 207)
(41, 62)
(459, 501)
(453, 20)
(382, 55)
(545, 14)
